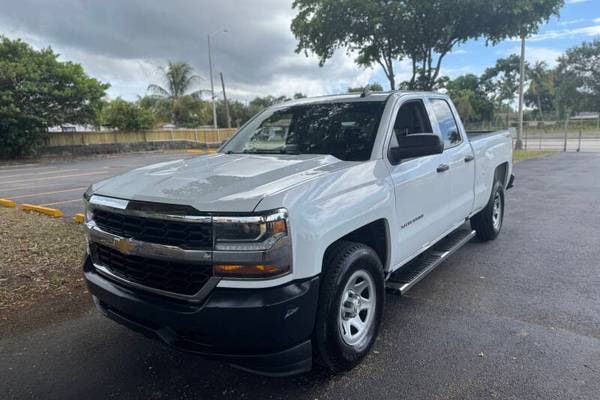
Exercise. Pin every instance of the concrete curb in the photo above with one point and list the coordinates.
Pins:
(7, 203)
(51, 212)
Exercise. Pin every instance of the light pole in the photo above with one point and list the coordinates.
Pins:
(212, 84)
(519, 143)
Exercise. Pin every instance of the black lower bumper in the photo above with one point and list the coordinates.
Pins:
(265, 331)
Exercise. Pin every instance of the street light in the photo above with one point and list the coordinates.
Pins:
(212, 85)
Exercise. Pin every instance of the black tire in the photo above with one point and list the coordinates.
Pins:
(345, 260)
(484, 222)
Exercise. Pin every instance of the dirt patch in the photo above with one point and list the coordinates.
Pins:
(40, 270)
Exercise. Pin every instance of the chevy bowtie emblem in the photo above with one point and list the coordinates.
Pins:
(125, 246)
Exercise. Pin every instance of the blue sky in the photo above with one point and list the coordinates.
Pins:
(126, 42)
(579, 21)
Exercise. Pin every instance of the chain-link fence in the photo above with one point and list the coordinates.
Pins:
(571, 135)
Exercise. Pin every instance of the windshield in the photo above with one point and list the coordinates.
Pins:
(345, 130)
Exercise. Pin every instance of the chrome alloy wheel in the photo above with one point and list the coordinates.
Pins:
(357, 308)
(497, 211)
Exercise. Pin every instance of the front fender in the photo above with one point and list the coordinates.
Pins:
(329, 208)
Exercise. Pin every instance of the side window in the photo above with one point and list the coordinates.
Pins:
(448, 126)
(412, 118)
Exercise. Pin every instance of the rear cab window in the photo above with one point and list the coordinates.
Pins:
(446, 121)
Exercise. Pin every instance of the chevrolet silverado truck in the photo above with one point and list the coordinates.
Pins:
(277, 250)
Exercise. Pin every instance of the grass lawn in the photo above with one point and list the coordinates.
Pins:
(40, 263)
(520, 155)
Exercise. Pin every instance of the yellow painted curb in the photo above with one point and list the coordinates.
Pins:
(7, 203)
(79, 218)
(51, 212)
(195, 151)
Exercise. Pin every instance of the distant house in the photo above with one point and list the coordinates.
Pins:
(73, 128)
(585, 116)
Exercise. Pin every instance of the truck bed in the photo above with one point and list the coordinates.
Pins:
(477, 135)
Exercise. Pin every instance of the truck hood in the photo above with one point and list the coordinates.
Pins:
(218, 182)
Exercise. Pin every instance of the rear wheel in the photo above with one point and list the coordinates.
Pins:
(350, 305)
(488, 222)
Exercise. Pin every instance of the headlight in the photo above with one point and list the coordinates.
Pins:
(86, 204)
(250, 233)
(253, 247)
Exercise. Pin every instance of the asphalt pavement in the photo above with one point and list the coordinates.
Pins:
(516, 318)
(61, 183)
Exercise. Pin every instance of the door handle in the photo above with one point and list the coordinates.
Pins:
(443, 168)
(469, 158)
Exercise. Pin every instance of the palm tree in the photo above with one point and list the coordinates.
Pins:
(542, 83)
(179, 79)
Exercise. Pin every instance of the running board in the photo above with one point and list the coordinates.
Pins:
(402, 280)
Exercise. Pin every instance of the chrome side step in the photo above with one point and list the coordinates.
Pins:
(402, 280)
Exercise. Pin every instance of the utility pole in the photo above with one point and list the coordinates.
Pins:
(519, 143)
(227, 115)
(212, 85)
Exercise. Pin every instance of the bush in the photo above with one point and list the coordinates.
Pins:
(36, 92)
(126, 116)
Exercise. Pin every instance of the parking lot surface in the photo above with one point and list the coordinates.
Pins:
(61, 184)
(516, 318)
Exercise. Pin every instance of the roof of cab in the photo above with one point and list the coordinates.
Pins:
(351, 97)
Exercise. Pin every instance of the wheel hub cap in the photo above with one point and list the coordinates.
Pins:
(357, 308)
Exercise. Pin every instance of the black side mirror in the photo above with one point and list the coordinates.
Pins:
(420, 145)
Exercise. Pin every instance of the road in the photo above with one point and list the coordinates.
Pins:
(516, 318)
(61, 184)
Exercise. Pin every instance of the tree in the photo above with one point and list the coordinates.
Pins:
(541, 90)
(373, 87)
(382, 32)
(37, 92)
(179, 80)
(502, 81)
(578, 78)
(470, 97)
(126, 116)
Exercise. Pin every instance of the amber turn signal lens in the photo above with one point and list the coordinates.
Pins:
(248, 271)
(278, 226)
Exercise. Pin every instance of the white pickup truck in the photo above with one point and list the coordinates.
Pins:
(278, 249)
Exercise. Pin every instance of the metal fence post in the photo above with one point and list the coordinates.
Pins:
(566, 130)
(579, 143)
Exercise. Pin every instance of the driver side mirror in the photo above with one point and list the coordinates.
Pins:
(412, 146)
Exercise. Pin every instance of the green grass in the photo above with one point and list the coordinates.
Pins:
(520, 155)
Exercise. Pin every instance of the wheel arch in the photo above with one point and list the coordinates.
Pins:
(375, 234)
(501, 174)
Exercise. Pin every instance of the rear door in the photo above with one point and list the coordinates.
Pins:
(421, 192)
(460, 175)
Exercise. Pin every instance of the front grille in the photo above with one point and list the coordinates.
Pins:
(175, 277)
(187, 235)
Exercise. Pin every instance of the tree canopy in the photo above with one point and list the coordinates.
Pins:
(578, 78)
(382, 32)
(126, 116)
(38, 91)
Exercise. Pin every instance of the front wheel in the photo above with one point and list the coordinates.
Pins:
(488, 222)
(351, 304)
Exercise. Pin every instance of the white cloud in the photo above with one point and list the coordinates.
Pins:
(597, 20)
(573, 21)
(589, 31)
(577, 1)
(534, 54)
(125, 43)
